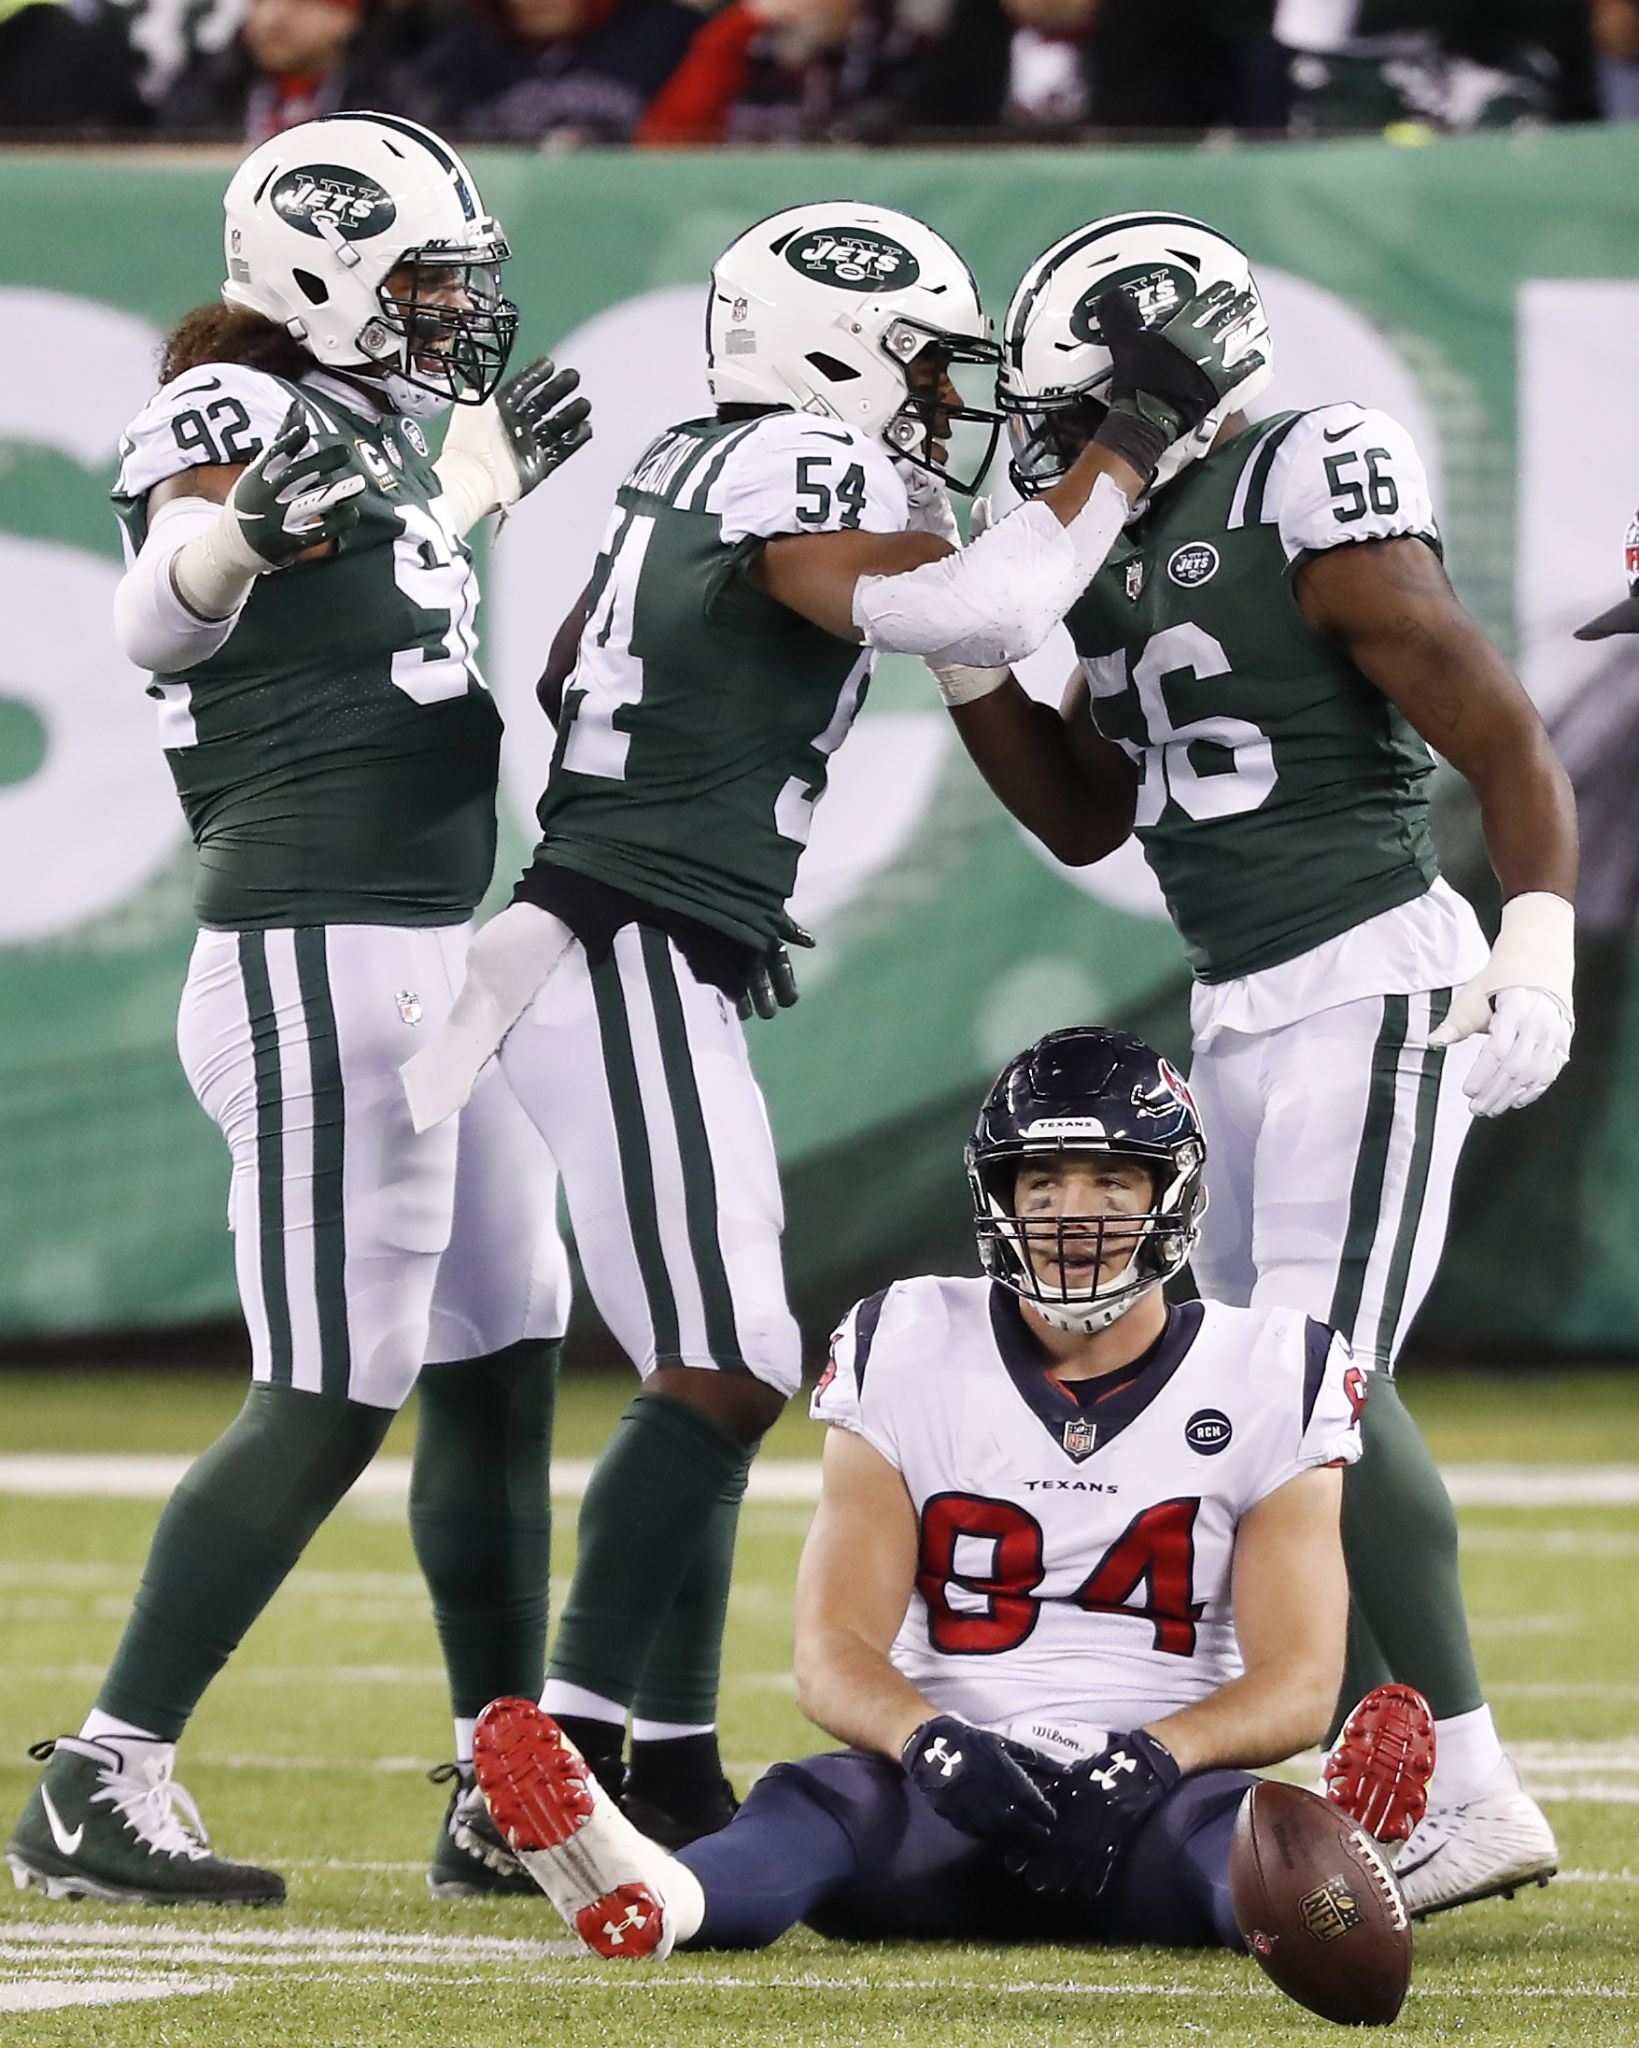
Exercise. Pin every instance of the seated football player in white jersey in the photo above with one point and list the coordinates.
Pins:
(1076, 1569)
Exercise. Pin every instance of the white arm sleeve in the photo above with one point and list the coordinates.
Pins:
(997, 600)
(155, 626)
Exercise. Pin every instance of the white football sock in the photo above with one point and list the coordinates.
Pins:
(1466, 1753)
(463, 1738)
(670, 1731)
(558, 1696)
(101, 1727)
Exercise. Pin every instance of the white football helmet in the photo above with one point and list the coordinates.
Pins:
(824, 307)
(321, 216)
(1055, 367)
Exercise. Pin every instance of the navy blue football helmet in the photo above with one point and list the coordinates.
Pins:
(1088, 1090)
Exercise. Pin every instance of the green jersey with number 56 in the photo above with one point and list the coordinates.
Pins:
(701, 715)
(1282, 797)
(337, 756)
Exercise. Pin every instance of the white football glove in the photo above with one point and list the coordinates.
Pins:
(1521, 1000)
(928, 504)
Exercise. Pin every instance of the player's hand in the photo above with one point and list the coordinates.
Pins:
(928, 504)
(1166, 379)
(1099, 1803)
(1527, 1042)
(295, 495)
(542, 421)
(981, 1782)
(1521, 1000)
(772, 983)
(497, 452)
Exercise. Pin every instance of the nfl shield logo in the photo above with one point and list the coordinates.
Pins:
(409, 1005)
(1135, 581)
(1080, 1437)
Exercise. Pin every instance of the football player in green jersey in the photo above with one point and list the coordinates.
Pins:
(1266, 659)
(753, 562)
(299, 585)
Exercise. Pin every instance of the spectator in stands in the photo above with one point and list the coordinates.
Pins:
(1616, 42)
(294, 60)
(565, 70)
(64, 65)
(1358, 65)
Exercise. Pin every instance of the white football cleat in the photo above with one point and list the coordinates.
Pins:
(1498, 1840)
(621, 1893)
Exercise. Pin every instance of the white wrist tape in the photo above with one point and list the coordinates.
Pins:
(181, 597)
(997, 600)
(476, 467)
(960, 683)
(1536, 947)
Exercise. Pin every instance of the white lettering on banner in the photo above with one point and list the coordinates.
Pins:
(98, 818)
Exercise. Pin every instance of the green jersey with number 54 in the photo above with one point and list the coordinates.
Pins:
(337, 756)
(1282, 797)
(701, 715)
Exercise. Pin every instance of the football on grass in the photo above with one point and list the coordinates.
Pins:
(1318, 1907)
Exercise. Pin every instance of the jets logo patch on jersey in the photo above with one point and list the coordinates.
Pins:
(1208, 1431)
(1194, 563)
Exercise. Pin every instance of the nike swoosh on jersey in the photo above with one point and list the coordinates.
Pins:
(66, 1840)
(188, 390)
(1341, 432)
(847, 440)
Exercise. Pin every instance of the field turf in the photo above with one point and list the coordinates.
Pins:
(308, 1755)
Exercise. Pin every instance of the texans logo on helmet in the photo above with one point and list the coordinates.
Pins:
(1179, 1086)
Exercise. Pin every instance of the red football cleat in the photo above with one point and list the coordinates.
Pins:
(1380, 1765)
(602, 1875)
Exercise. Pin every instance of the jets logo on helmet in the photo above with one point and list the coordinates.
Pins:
(1055, 365)
(363, 236)
(1087, 1090)
(858, 313)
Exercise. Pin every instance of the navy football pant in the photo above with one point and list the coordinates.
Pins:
(845, 1842)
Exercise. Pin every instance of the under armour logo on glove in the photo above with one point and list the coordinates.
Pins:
(981, 1782)
(1100, 1803)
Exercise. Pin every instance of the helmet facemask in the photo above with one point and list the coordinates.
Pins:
(445, 329)
(1045, 435)
(1095, 1285)
(926, 416)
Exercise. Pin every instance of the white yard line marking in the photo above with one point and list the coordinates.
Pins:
(44, 1994)
(780, 1481)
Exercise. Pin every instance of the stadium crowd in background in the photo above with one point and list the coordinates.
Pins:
(561, 73)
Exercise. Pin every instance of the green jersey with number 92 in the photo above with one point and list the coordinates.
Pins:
(699, 721)
(1282, 797)
(337, 756)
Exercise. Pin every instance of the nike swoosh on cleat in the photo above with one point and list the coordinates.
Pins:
(66, 1841)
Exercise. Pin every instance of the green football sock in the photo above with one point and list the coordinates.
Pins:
(480, 1517)
(1365, 1668)
(652, 1497)
(1400, 1543)
(685, 1665)
(239, 1519)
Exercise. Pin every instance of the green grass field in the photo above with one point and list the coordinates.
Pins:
(308, 1755)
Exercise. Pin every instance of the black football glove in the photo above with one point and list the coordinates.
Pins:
(1099, 1803)
(982, 1783)
(295, 494)
(543, 425)
(1166, 379)
(771, 985)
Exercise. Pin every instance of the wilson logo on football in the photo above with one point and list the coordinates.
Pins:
(854, 258)
(1208, 1431)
